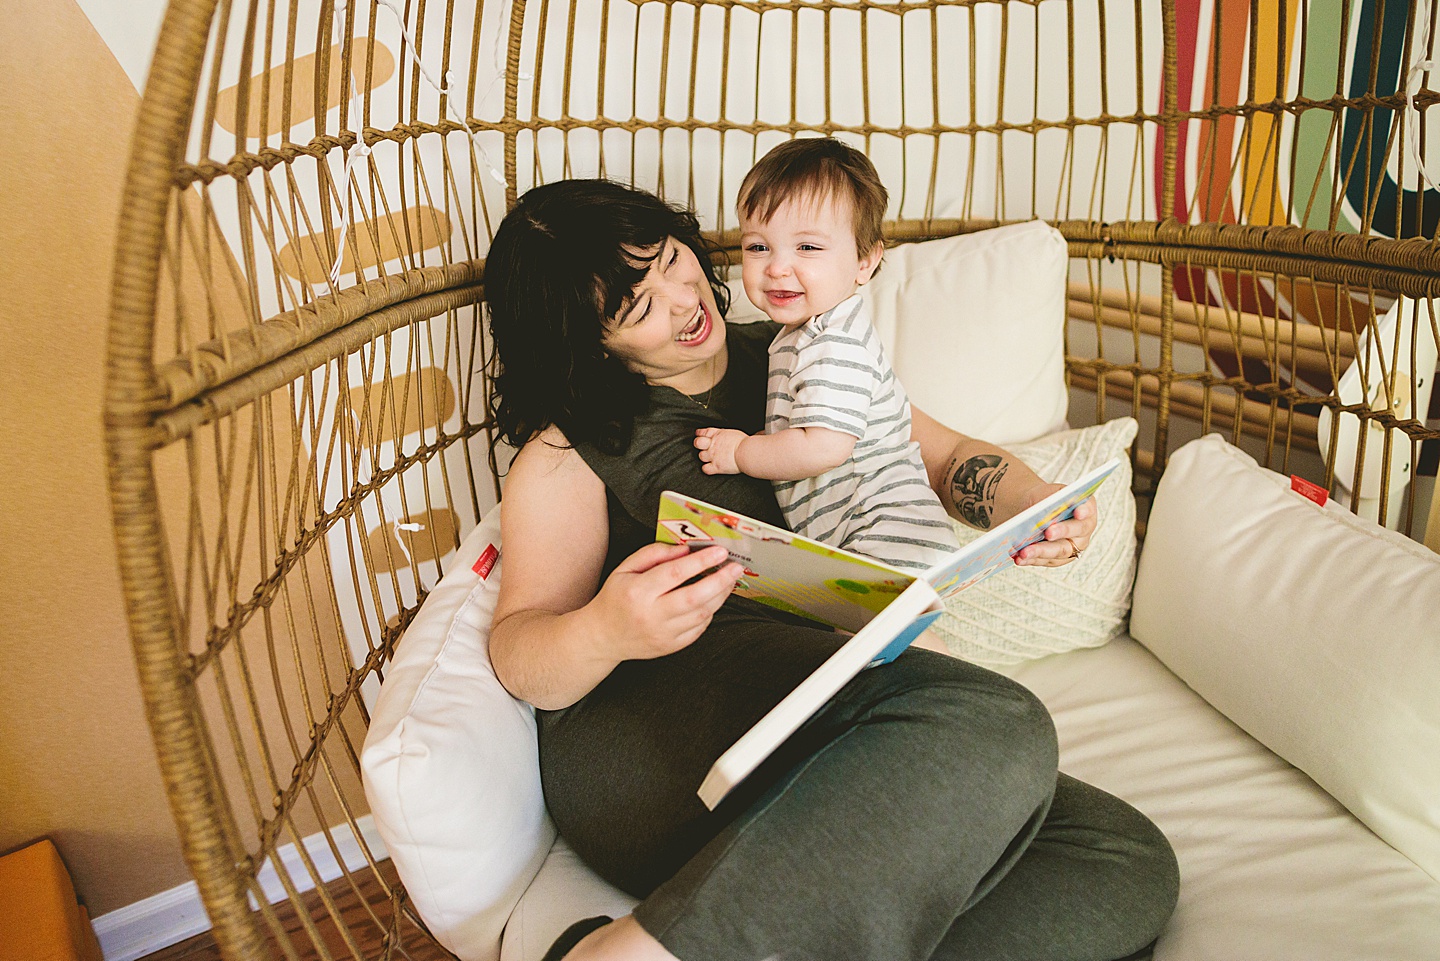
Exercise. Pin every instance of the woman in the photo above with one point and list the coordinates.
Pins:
(919, 815)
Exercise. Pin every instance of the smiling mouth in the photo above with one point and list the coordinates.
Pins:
(697, 330)
(782, 296)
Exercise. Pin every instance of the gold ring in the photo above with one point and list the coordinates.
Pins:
(1074, 548)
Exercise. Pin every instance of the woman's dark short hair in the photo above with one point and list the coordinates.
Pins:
(560, 268)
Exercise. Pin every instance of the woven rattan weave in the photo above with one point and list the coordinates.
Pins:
(296, 400)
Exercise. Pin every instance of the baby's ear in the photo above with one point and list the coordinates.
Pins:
(870, 263)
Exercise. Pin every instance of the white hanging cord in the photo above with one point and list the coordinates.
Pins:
(361, 149)
(351, 156)
(1412, 86)
(454, 114)
(498, 59)
(338, 32)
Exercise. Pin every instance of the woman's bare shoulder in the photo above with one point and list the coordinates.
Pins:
(549, 452)
(553, 523)
(549, 484)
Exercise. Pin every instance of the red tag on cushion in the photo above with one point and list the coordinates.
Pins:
(1308, 490)
(486, 561)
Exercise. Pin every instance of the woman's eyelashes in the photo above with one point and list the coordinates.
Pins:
(632, 313)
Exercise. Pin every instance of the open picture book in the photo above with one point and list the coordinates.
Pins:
(885, 607)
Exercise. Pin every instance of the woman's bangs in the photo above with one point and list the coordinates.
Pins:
(621, 268)
(615, 282)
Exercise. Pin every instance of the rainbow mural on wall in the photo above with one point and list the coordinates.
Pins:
(1325, 170)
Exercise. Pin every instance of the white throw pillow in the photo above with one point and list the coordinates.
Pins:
(1026, 612)
(1316, 631)
(974, 327)
(451, 764)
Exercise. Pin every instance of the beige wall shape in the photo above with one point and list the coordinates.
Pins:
(266, 109)
(76, 760)
(395, 407)
(400, 405)
(76, 756)
(385, 238)
(435, 533)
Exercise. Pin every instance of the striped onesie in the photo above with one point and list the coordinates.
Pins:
(831, 372)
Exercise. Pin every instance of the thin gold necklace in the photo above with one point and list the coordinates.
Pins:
(713, 384)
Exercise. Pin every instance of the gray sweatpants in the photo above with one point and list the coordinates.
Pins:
(918, 816)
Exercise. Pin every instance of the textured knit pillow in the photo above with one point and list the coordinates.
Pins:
(1023, 612)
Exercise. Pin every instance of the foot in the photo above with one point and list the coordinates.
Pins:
(573, 935)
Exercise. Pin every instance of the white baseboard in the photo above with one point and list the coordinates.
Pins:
(172, 916)
(322, 857)
(147, 926)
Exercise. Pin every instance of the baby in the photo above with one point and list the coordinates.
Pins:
(837, 422)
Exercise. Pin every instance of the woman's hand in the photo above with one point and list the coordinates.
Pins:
(648, 606)
(1064, 540)
(559, 630)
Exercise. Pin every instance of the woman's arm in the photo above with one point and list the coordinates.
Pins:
(983, 485)
(558, 631)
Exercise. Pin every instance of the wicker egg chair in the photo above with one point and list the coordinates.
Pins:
(296, 405)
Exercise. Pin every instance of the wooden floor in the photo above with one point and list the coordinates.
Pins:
(350, 902)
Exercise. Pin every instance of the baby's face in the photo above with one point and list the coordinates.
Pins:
(803, 261)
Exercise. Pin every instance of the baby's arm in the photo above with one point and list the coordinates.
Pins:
(791, 454)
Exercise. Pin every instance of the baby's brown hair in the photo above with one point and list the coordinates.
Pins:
(820, 168)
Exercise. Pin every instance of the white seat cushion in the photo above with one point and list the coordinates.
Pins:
(1272, 868)
(562, 893)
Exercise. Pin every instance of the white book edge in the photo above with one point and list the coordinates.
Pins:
(797, 707)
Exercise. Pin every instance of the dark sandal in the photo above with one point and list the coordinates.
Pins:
(573, 935)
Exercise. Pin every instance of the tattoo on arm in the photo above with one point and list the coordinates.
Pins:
(972, 487)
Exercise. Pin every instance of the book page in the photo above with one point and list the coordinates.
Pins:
(784, 570)
(845, 590)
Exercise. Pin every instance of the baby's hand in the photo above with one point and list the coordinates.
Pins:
(717, 448)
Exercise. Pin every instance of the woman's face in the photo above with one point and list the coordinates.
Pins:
(671, 332)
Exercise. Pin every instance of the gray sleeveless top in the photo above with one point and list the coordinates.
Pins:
(662, 456)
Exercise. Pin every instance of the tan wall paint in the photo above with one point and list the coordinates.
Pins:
(76, 761)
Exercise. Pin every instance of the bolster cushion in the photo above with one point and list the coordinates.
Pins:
(1316, 631)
